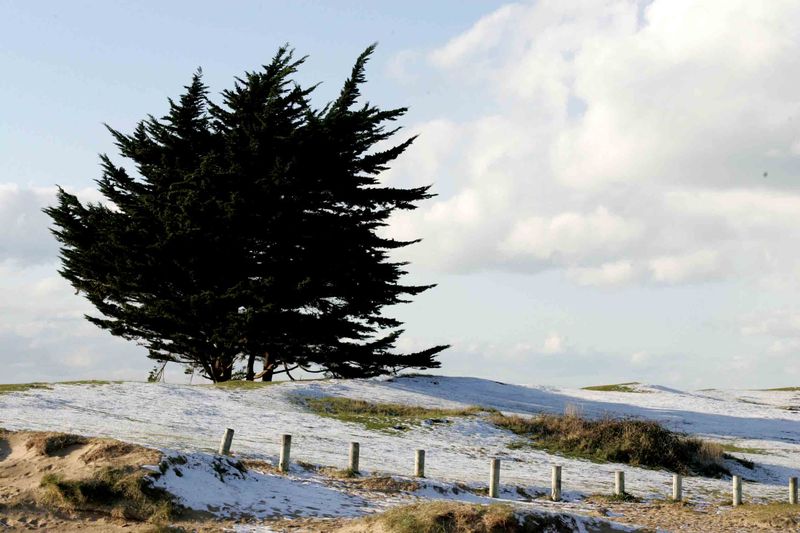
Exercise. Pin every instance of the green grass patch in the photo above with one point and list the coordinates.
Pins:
(22, 387)
(732, 448)
(236, 384)
(125, 493)
(382, 416)
(635, 442)
(616, 387)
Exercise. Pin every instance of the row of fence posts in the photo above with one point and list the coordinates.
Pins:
(494, 472)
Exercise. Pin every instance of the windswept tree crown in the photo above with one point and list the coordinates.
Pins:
(250, 228)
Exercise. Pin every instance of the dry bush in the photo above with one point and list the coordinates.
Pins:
(52, 443)
(630, 441)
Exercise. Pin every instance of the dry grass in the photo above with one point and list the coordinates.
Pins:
(108, 449)
(777, 516)
(457, 517)
(260, 466)
(339, 473)
(634, 442)
(124, 493)
(386, 484)
(382, 416)
(449, 517)
(52, 443)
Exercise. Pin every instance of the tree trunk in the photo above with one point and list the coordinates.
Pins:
(221, 370)
(269, 368)
(251, 372)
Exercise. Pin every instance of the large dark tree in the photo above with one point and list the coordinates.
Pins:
(249, 230)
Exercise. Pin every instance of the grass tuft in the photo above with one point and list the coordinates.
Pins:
(125, 493)
(634, 442)
(383, 416)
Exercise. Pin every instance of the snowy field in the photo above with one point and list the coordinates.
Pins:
(191, 419)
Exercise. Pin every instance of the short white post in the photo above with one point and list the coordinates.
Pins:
(419, 463)
(286, 449)
(737, 490)
(619, 483)
(225, 444)
(793, 490)
(354, 448)
(494, 478)
(555, 484)
(677, 487)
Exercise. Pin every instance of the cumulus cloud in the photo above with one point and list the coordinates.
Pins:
(553, 344)
(618, 142)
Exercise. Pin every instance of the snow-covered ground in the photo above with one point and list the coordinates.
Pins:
(191, 419)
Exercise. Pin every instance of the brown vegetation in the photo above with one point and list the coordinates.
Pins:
(51, 443)
(630, 441)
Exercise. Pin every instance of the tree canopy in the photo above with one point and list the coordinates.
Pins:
(250, 229)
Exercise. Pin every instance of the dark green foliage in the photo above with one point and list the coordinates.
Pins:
(249, 228)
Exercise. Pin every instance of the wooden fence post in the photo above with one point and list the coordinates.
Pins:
(354, 449)
(737, 490)
(286, 448)
(555, 484)
(677, 487)
(494, 478)
(419, 463)
(619, 483)
(225, 444)
(793, 490)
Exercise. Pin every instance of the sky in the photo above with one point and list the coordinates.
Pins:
(618, 182)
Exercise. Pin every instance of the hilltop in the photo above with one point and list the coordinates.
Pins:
(449, 417)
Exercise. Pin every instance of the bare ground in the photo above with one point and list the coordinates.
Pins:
(26, 457)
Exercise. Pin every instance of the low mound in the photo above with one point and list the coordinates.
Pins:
(629, 441)
(60, 471)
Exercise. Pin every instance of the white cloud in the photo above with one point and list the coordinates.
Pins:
(570, 235)
(553, 344)
(607, 274)
(621, 142)
(686, 268)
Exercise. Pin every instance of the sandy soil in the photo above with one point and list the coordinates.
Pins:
(22, 467)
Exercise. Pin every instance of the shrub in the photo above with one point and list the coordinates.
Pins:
(629, 441)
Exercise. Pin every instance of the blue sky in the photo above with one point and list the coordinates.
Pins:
(603, 213)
